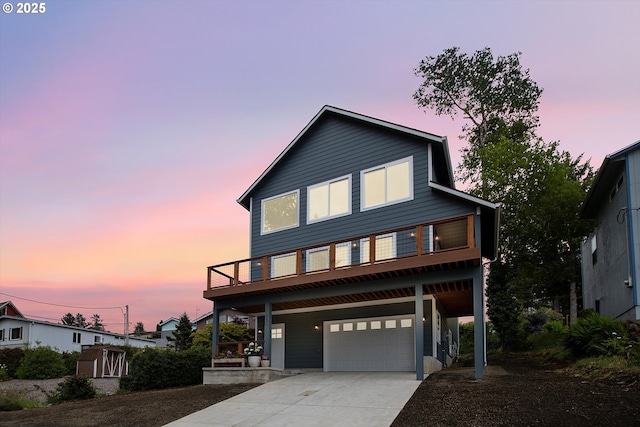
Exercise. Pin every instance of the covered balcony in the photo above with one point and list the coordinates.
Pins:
(433, 247)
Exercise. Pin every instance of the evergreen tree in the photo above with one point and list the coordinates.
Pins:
(182, 336)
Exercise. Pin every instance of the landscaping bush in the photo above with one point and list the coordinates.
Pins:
(595, 335)
(73, 388)
(41, 363)
(11, 358)
(154, 368)
(551, 336)
(70, 362)
(4, 375)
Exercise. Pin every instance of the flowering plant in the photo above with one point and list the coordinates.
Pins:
(253, 349)
(265, 357)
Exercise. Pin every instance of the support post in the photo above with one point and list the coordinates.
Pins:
(419, 330)
(215, 331)
(267, 329)
(479, 335)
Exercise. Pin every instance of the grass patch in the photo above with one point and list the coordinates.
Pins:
(12, 400)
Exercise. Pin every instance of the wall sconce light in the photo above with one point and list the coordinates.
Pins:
(355, 245)
(437, 237)
(316, 327)
(424, 320)
(259, 264)
(412, 234)
(259, 331)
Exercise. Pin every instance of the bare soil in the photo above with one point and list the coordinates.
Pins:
(514, 392)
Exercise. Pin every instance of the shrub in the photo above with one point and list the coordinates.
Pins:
(154, 368)
(595, 335)
(11, 358)
(73, 388)
(41, 363)
(4, 375)
(70, 362)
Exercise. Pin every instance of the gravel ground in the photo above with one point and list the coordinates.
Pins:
(37, 390)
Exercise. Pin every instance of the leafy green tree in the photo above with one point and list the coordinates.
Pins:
(485, 90)
(139, 329)
(182, 338)
(41, 363)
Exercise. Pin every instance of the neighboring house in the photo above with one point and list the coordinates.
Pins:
(611, 253)
(226, 316)
(19, 331)
(8, 309)
(363, 254)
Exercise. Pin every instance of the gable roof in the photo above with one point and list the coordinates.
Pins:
(441, 149)
(612, 166)
(10, 307)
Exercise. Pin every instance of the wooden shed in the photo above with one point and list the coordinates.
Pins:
(102, 361)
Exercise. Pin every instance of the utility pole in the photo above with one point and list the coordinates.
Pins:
(126, 325)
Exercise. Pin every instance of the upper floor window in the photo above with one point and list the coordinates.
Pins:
(77, 337)
(387, 184)
(1, 334)
(329, 199)
(280, 212)
(594, 250)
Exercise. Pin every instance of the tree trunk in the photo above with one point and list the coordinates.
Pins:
(556, 304)
(573, 303)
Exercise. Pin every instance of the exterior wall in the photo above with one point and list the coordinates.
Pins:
(335, 147)
(60, 337)
(604, 281)
(304, 345)
(633, 173)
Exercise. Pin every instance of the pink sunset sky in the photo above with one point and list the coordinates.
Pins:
(128, 129)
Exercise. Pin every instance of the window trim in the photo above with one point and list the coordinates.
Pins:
(328, 183)
(263, 201)
(77, 338)
(2, 337)
(385, 166)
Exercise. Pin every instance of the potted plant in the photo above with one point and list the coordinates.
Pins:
(265, 362)
(252, 351)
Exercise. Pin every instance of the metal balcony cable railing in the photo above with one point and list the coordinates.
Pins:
(451, 234)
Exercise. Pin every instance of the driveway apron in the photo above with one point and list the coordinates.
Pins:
(313, 399)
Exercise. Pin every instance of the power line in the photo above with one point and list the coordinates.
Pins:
(60, 305)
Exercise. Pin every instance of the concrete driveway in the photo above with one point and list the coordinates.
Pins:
(351, 399)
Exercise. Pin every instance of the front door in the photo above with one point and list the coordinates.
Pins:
(277, 345)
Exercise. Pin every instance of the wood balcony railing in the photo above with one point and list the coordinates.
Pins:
(453, 234)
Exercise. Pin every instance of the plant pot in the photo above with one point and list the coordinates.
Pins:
(254, 361)
(265, 363)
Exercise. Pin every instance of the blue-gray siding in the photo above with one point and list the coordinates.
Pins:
(338, 146)
(304, 345)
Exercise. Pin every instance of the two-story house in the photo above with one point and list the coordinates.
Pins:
(611, 253)
(363, 253)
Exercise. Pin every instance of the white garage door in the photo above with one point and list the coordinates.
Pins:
(375, 344)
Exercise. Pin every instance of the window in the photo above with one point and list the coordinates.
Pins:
(280, 212)
(276, 333)
(328, 200)
(318, 258)
(283, 265)
(1, 334)
(76, 337)
(387, 184)
(15, 333)
(594, 250)
(385, 248)
(97, 339)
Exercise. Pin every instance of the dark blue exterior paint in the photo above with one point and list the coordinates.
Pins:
(337, 146)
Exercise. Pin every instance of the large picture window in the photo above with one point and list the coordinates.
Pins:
(280, 212)
(387, 184)
(15, 333)
(329, 199)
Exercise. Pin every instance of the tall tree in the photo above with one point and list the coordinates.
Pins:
(68, 319)
(484, 89)
(80, 321)
(139, 329)
(182, 336)
(96, 323)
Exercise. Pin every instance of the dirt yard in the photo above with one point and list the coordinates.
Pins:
(513, 393)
